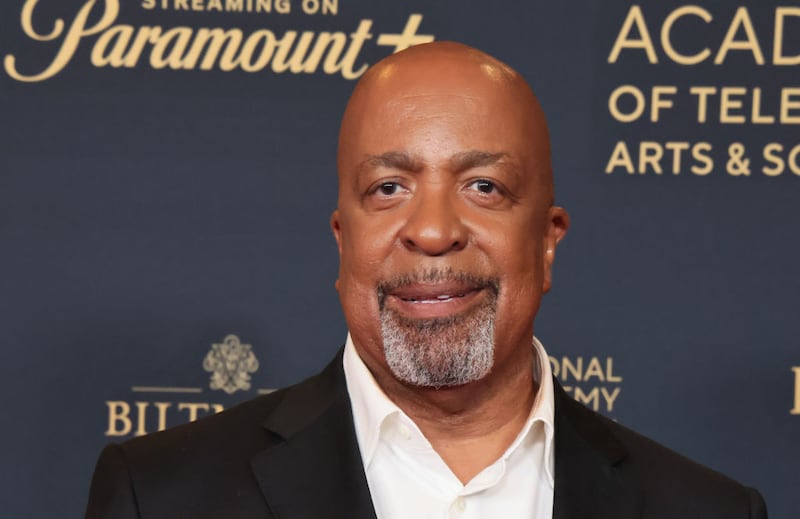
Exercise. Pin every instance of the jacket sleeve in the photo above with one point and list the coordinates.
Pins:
(112, 495)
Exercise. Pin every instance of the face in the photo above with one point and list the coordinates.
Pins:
(445, 228)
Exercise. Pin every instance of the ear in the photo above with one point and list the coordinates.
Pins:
(555, 229)
(337, 230)
(336, 227)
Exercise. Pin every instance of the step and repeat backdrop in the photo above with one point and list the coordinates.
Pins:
(167, 171)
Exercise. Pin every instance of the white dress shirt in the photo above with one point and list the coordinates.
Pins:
(407, 478)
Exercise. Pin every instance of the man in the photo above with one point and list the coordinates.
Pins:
(442, 403)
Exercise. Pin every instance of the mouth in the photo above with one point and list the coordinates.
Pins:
(431, 294)
(438, 299)
(423, 303)
(434, 299)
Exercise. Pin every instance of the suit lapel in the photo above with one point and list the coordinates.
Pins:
(589, 480)
(315, 469)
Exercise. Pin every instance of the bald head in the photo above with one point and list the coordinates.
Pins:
(447, 70)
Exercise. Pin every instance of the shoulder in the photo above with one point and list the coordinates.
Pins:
(673, 485)
(200, 468)
(245, 428)
(237, 428)
(186, 471)
(679, 486)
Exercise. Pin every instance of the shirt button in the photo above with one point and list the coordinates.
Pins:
(460, 504)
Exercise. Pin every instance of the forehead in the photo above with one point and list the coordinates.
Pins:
(428, 111)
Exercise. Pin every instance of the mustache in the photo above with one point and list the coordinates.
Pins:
(436, 275)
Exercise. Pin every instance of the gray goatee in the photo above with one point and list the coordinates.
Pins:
(440, 352)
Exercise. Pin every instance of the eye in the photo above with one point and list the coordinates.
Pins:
(388, 188)
(387, 191)
(489, 193)
(484, 186)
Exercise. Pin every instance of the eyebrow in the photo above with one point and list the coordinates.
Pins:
(404, 161)
(392, 160)
(474, 159)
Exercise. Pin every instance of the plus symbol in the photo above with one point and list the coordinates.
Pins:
(409, 36)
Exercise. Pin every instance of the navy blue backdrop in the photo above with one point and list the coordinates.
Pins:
(153, 153)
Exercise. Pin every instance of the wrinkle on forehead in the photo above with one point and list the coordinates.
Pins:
(431, 106)
(434, 95)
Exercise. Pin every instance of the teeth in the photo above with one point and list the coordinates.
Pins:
(443, 297)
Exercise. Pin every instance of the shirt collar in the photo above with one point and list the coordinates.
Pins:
(371, 407)
(370, 404)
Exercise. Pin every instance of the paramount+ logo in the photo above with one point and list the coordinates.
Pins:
(100, 27)
(230, 364)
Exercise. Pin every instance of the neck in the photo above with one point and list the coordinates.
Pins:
(472, 425)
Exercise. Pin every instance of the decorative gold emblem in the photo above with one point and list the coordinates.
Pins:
(230, 364)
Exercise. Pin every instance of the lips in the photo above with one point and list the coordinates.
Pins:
(439, 298)
(432, 293)
(432, 300)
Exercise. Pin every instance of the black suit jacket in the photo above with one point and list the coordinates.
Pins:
(293, 454)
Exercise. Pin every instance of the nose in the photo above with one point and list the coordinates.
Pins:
(435, 227)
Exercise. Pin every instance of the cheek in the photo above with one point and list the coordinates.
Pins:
(364, 251)
(362, 266)
(518, 260)
(362, 262)
(368, 240)
(515, 252)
